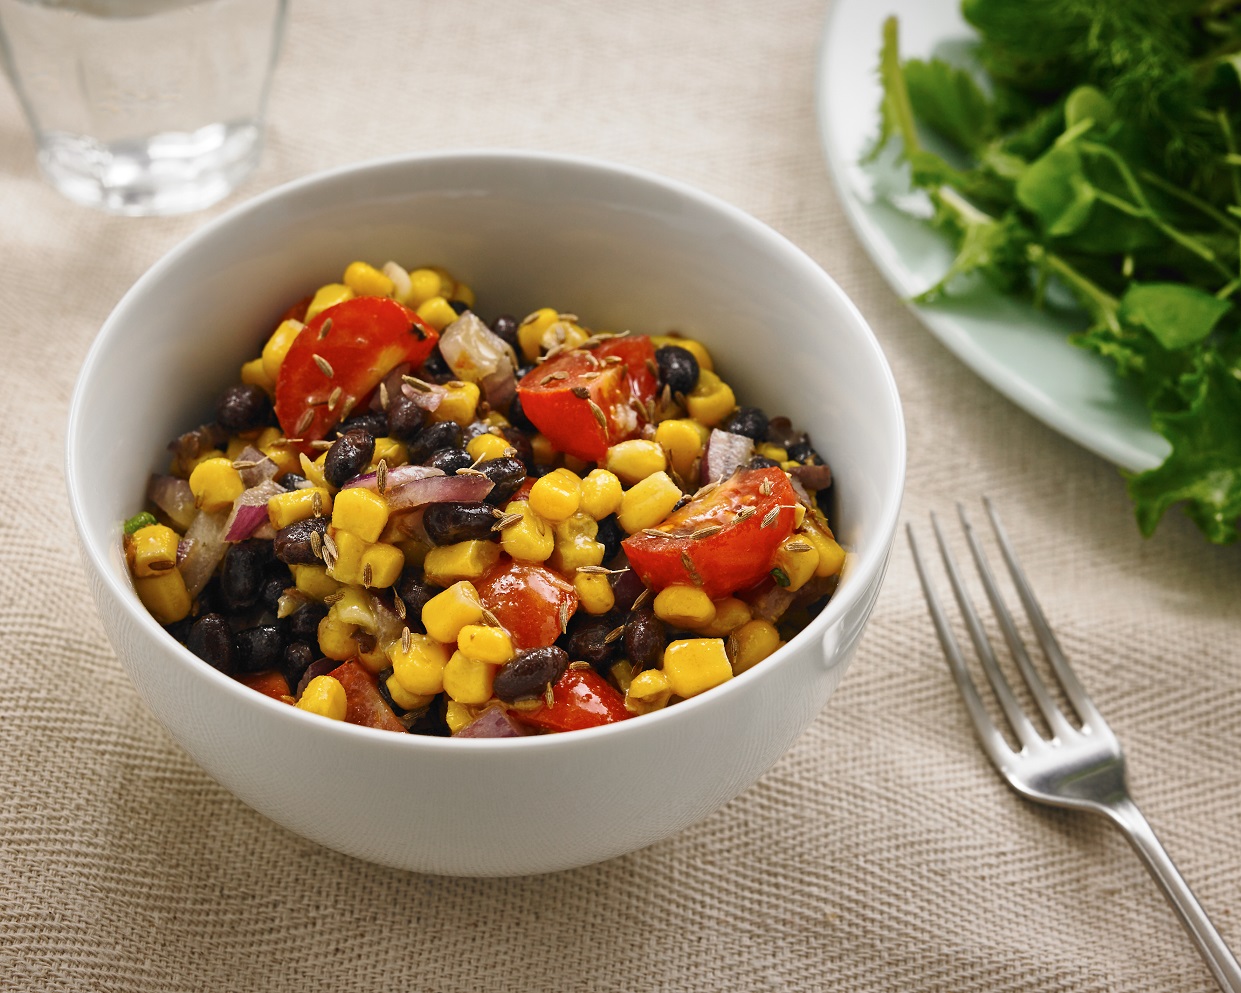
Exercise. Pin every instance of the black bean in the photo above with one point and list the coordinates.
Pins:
(273, 589)
(243, 408)
(259, 648)
(433, 438)
(748, 421)
(519, 441)
(678, 369)
(414, 592)
(449, 523)
(303, 623)
(298, 655)
(530, 672)
(435, 368)
(644, 639)
(760, 462)
(432, 723)
(505, 326)
(210, 600)
(241, 574)
(610, 536)
(293, 544)
(586, 642)
(405, 418)
(506, 474)
(626, 588)
(803, 451)
(517, 417)
(211, 639)
(293, 481)
(450, 460)
(348, 456)
(460, 306)
(373, 422)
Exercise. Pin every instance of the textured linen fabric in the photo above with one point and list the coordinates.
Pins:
(881, 853)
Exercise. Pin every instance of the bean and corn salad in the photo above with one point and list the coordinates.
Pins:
(407, 518)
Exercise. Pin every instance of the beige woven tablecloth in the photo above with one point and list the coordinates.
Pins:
(882, 853)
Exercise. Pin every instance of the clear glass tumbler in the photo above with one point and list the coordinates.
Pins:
(143, 107)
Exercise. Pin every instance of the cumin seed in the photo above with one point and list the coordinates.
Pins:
(581, 392)
(324, 365)
(327, 326)
(599, 415)
(303, 422)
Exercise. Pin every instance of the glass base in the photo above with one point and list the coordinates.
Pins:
(171, 173)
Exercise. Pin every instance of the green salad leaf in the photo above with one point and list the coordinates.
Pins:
(1098, 149)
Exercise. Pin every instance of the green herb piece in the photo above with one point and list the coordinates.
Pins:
(780, 576)
(140, 521)
(1176, 314)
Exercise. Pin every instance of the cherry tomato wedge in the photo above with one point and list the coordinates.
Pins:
(368, 337)
(363, 703)
(581, 401)
(581, 698)
(532, 602)
(270, 683)
(754, 511)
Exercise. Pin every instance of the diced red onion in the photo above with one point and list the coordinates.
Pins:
(250, 510)
(438, 489)
(388, 627)
(264, 467)
(396, 477)
(183, 549)
(726, 452)
(780, 431)
(192, 444)
(319, 667)
(802, 496)
(771, 605)
(494, 722)
(172, 495)
(812, 477)
(391, 386)
(429, 398)
(207, 546)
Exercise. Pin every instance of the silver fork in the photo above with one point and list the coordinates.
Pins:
(1082, 769)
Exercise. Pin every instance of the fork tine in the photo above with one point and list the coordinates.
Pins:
(1038, 689)
(1017, 719)
(993, 741)
(1073, 689)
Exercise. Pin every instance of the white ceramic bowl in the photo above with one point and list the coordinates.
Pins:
(622, 248)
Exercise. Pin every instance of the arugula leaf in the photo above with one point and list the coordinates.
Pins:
(950, 103)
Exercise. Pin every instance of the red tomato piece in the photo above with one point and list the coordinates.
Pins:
(566, 396)
(272, 684)
(529, 600)
(736, 557)
(367, 339)
(363, 703)
(581, 698)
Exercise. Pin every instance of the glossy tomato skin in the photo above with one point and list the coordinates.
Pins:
(735, 558)
(529, 600)
(367, 339)
(560, 397)
(270, 683)
(363, 703)
(581, 698)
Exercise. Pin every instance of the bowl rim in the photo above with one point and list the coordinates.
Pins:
(862, 573)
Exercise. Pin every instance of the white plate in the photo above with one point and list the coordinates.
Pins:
(1022, 351)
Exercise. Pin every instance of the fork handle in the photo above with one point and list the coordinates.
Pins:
(1223, 965)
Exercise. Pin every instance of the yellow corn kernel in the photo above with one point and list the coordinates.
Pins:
(325, 696)
(463, 294)
(711, 400)
(468, 680)
(495, 419)
(420, 669)
(414, 549)
(485, 447)
(771, 451)
(622, 674)
(404, 700)
(530, 332)
(556, 496)
(459, 403)
(648, 502)
(187, 466)
(154, 550)
(458, 716)
(594, 592)
(253, 374)
(576, 545)
(563, 334)
(236, 445)
(313, 580)
(634, 460)
(215, 484)
(601, 494)
(464, 560)
(326, 296)
(164, 595)
(346, 566)
(543, 451)
(696, 664)
(423, 285)
(390, 450)
(529, 540)
(797, 559)
(278, 346)
(485, 644)
(284, 456)
(831, 555)
(382, 565)
(336, 638)
(367, 281)
(374, 661)
(445, 614)
(353, 607)
(361, 511)
(649, 690)
(799, 514)
(751, 643)
(684, 440)
(437, 312)
(288, 508)
(730, 614)
(684, 606)
(448, 283)
(691, 345)
(575, 465)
